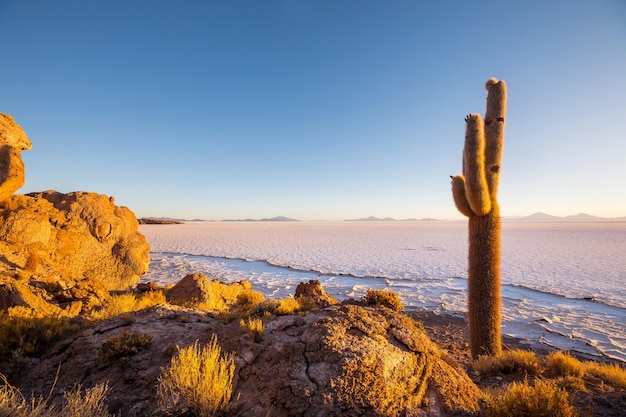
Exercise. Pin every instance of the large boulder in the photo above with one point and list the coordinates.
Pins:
(72, 237)
(313, 292)
(196, 289)
(13, 141)
(344, 360)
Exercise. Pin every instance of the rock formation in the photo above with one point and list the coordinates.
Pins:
(13, 141)
(73, 237)
(346, 360)
(197, 289)
(315, 293)
(61, 253)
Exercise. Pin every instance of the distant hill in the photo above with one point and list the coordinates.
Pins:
(371, 219)
(272, 219)
(159, 220)
(580, 217)
(390, 219)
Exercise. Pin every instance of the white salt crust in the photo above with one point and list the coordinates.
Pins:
(564, 284)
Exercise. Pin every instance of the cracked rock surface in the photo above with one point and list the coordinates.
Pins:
(343, 360)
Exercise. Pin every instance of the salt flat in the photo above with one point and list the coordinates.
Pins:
(564, 284)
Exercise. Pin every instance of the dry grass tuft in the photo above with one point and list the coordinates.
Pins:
(122, 347)
(198, 378)
(248, 299)
(572, 383)
(386, 298)
(91, 404)
(149, 299)
(126, 303)
(291, 305)
(544, 399)
(254, 327)
(509, 361)
(611, 374)
(564, 364)
(26, 333)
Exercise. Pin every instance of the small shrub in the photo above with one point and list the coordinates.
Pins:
(509, 361)
(254, 327)
(573, 383)
(13, 403)
(198, 378)
(123, 346)
(249, 298)
(114, 306)
(24, 332)
(611, 374)
(265, 308)
(544, 399)
(92, 404)
(232, 315)
(386, 298)
(149, 299)
(564, 364)
(291, 305)
(126, 303)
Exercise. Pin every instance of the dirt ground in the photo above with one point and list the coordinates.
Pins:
(451, 333)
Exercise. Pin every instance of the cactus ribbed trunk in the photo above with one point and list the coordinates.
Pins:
(475, 195)
(484, 284)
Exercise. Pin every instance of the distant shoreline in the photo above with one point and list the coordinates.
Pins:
(150, 220)
(533, 218)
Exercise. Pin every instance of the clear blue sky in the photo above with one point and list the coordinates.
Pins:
(315, 109)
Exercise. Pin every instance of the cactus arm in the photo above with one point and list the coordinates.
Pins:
(458, 193)
(494, 132)
(476, 187)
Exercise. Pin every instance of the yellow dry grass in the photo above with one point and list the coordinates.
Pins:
(544, 399)
(126, 303)
(76, 404)
(254, 327)
(509, 361)
(610, 373)
(198, 378)
(386, 298)
(249, 298)
(24, 332)
(564, 364)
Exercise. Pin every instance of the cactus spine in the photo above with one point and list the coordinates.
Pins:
(475, 195)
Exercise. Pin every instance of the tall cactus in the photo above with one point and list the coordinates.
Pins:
(475, 195)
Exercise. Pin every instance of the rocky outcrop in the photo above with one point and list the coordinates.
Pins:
(61, 250)
(212, 294)
(72, 237)
(13, 141)
(344, 360)
(313, 292)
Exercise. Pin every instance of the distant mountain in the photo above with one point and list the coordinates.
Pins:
(372, 219)
(580, 217)
(272, 219)
(391, 219)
